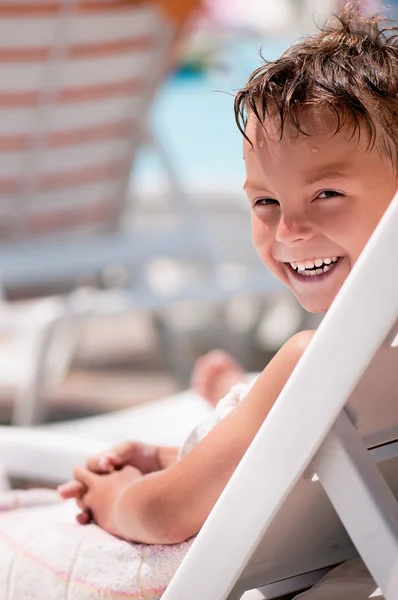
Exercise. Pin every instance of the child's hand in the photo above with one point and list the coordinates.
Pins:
(102, 492)
(136, 454)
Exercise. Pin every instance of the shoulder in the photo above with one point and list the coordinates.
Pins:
(286, 359)
(299, 342)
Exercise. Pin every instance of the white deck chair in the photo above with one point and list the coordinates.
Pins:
(277, 527)
(319, 482)
(77, 81)
(275, 521)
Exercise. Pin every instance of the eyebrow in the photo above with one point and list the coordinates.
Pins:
(257, 187)
(333, 171)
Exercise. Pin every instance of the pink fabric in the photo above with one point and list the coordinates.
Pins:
(46, 555)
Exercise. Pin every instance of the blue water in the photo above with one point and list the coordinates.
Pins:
(195, 122)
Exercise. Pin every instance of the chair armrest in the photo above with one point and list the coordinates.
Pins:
(43, 455)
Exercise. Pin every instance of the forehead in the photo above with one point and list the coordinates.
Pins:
(295, 159)
(320, 137)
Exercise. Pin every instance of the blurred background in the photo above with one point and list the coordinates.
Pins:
(125, 250)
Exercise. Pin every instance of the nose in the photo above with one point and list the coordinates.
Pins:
(293, 228)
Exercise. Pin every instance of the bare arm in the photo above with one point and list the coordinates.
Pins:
(170, 506)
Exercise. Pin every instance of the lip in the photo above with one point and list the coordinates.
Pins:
(313, 278)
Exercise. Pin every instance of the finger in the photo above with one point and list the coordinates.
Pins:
(71, 489)
(123, 453)
(81, 504)
(103, 463)
(85, 517)
(84, 476)
(114, 458)
(108, 462)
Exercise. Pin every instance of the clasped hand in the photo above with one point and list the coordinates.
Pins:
(97, 486)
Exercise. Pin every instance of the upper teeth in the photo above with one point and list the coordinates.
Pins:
(318, 263)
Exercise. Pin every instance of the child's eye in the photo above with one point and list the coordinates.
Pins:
(265, 202)
(329, 194)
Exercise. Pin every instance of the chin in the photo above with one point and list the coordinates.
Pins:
(314, 305)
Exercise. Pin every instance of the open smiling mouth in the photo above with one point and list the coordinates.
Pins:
(314, 271)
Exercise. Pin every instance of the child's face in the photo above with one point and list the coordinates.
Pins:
(315, 202)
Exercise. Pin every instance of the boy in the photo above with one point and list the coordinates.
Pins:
(321, 140)
(321, 152)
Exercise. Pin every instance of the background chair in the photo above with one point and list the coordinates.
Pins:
(78, 81)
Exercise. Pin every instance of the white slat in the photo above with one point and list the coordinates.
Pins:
(62, 198)
(28, 77)
(26, 32)
(59, 160)
(71, 116)
(38, 31)
(120, 25)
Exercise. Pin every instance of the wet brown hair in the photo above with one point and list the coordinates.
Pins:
(349, 68)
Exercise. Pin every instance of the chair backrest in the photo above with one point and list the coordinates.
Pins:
(273, 521)
(76, 83)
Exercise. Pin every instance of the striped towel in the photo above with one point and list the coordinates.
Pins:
(46, 555)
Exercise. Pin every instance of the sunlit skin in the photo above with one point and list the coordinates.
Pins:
(314, 197)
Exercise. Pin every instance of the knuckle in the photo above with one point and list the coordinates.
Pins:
(127, 447)
(93, 461)
(79, 472)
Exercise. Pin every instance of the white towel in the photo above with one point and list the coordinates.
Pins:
(46, 555)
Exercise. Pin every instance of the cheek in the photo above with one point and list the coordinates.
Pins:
(361, 217)
(352, 230)
(261, 235)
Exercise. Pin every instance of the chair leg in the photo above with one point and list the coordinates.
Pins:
(288, 588)
(4, 481)
(29, 406)
(188, 210)
(363, 501)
